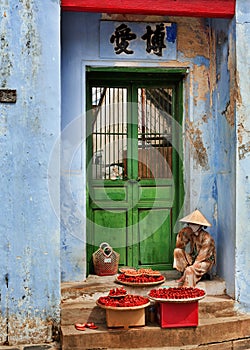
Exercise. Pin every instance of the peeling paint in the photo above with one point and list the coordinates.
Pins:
(240, 132)
(29, 330)
(201, 81)
(244, 150)
(237, 88)
(205, 118)
(3, 331)
(243, 136)
(199, 151)
(230, 108)
(212, 66)
(132, 17)
(193, 37)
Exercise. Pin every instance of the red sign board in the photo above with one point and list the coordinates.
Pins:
(188, 8)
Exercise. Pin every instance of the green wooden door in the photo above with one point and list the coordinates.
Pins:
(134, 172)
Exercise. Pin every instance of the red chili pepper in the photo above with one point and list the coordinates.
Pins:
(177, 293)
(126, 301)
(117, 291)
(139, 279)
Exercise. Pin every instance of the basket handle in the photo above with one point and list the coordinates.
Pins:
(103, 245)
(107, 251)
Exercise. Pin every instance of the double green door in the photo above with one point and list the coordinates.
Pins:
(134, 167)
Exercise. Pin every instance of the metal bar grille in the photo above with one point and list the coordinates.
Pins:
(154, 132)
(109, 132)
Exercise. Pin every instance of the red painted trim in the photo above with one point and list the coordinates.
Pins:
(188, 8)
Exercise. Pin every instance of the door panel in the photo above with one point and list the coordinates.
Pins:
(107, 193)
(114, 222)
(162, 193)
(133, 170)
(155, 188)
(150, 246)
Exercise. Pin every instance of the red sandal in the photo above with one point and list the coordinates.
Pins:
(91, 325)
(80, 326)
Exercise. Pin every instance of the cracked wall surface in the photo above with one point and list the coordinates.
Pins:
(243, 154)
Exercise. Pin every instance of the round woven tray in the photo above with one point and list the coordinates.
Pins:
(117, 308)
(186, 300)
(140, 284)
(124, 268)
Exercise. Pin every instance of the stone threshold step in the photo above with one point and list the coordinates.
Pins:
(95, 286)
(209, 331)
(232, 345)
(80, 312)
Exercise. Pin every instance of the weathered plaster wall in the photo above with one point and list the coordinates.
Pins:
(205, 129)
(210, 135)
(29, 234)
(73, 235)
(223, 105)
(242, 272)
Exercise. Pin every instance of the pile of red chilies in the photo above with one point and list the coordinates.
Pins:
(139, 279)
(126, 301)
(176, 293)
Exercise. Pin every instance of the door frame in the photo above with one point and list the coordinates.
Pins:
(172, 75)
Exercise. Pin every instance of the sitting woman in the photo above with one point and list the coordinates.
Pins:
(201, 255)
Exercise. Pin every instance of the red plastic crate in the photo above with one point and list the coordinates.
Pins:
(171, 315)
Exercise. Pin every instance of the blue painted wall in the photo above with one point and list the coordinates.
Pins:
(30, 232)
(242, 272)
(224, 161)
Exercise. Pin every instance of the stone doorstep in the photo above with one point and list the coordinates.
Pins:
(79, 299)
(95, 286)
(209, 331)
(210, 306)
(217, 319)
(230, 345)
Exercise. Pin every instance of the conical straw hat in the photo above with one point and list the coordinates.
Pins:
(196, 217)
